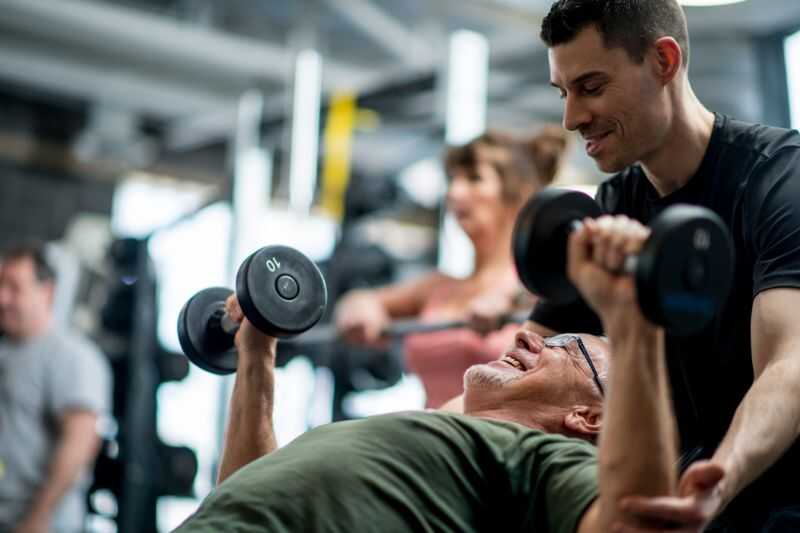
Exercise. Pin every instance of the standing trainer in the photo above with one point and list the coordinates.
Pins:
(621, 67)
(53, 388)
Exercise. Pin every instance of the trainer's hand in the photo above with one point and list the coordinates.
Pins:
(595, 258)
(697, 503)
(360, 319)
(251, 343)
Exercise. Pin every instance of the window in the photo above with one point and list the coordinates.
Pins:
(792, 53)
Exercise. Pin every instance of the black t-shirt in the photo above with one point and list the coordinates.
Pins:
(749, 176)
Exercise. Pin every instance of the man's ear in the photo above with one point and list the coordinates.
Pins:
(585, 421)
(667, 59)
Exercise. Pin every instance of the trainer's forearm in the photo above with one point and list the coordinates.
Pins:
(766, 423)
(638, 443)
(250, 433)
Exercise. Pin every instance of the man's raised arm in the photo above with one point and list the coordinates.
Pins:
(638, 443)
(250, 433)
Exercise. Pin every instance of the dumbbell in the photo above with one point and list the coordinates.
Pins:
(280, 291)
(683, 273)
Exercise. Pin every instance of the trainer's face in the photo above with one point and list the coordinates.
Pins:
(532, 375)
(616, 104)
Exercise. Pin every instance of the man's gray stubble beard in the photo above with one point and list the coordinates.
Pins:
(482, 376)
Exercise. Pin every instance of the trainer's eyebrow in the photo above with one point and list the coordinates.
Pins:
(586, 76)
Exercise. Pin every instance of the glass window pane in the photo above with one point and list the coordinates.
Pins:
(793, 76)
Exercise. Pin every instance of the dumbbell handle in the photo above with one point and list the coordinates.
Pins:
(399, 328)
(631, 261)
(221, 319)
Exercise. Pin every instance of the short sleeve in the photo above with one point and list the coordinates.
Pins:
(773, 218)
(81, 378)
(561, 483)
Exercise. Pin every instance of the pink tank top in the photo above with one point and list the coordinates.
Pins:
(440, 358)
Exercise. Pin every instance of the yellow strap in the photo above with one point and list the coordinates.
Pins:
(338, 151)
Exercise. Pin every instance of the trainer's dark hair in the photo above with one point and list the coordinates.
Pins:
(521, 162)
(36, 253)
(633, 25)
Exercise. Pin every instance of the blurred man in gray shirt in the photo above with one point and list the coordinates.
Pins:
(54, 386)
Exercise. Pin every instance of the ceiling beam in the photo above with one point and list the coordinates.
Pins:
(68, 76)
(134, 36)
(383, 29)
(190, 132)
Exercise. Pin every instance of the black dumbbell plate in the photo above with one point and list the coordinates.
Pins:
(540, 241)
(281, 291)
(203, 343)
(685, 269)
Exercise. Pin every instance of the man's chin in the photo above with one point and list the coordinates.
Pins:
(485, 377)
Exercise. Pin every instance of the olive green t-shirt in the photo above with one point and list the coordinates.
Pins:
(415, 471)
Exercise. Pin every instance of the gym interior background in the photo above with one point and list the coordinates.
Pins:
(158, 142)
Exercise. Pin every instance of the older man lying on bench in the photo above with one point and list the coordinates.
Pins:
(524, 455)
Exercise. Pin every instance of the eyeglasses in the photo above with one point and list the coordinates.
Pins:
(561, 341)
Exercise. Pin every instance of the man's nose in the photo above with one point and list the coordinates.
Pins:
(575, 114)
(529, 340)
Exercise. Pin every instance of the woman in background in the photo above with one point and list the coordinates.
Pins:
(490, 179)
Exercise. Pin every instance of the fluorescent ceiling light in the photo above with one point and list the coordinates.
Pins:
(467, 90)
(707, 3)
(793, 74)
(305, 130)
(467, 86)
